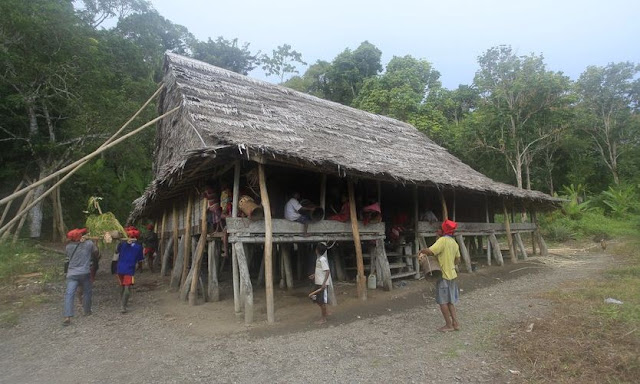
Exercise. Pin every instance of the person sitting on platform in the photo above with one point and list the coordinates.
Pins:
(447, 253)
(294, 211)
(429, 216)
(214, 211)
(345, 211)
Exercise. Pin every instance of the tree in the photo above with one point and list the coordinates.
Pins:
(314, 80)
(608, 97)
(401, 90)
(226, 54)
(282, 61)
(95, 12)
(516, 90)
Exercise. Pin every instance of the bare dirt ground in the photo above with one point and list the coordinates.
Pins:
(390, 338)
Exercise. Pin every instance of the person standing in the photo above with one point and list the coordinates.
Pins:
(322, 280)
(129, 253)
(150, 244)
(80, 251)
(447, 252)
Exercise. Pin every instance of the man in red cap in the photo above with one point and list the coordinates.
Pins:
(447, 252)
(80, 252)
(129, 253)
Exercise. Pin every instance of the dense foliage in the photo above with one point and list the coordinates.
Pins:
(67, 83)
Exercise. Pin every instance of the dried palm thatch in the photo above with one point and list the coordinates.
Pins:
(225, 114)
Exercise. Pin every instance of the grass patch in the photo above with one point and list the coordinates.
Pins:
(586, 340)
(24, 258)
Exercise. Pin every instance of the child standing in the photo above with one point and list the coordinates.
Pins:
(130, 253)
(322, 279)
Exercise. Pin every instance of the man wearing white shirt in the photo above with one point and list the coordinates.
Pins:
(293, 211)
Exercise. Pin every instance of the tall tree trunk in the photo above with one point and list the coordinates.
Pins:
(36, 214)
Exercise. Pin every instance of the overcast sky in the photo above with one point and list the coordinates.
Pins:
(451, 34)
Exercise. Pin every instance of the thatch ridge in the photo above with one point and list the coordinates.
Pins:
(221, 108)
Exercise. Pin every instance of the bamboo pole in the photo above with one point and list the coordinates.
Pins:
(213, 286)
(8, 206)
(486, 208)
(187, 239)
(268, 248)
(202, 243)
(416, 221)
(507, 227)
(454, 205)
(360, 279)
(25, 202)
(78, 164)
(95, 153)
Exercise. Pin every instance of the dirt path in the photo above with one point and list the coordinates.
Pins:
(391, 338)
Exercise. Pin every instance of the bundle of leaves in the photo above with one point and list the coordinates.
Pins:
(103, 223)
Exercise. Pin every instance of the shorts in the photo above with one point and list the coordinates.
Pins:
(303, 219)
(321, 297)
(126, 280)
(447, 291)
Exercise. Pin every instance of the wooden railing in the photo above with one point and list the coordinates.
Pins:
(476, 229)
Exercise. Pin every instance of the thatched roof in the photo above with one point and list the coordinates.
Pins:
(225, 113)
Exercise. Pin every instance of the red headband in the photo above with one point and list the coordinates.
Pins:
(449, 226)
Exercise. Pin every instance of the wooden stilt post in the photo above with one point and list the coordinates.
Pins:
(187, 239)
(234, 257)
(495, 248)
(464, 252)
(212, 287)
(339, 258)
(245, 281)
(520, 244)
(175, 235)
(168, 251)
(176, 273)
(507, 227)
(323, 193)
(268, 243)
(197, 258)
(416, 221)
(383, 265)
(486, 207)
(285, 252)
(533, 236)
(360, 278)
(544, 251)
(163, 228)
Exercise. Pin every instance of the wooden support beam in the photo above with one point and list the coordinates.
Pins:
(176, 273)
(268, 243)
(197, 258)
(245, 281)
(360, 278)
(544, 251)
(339, 259)
(163, 228)
(234, 256)
(285, 253)
(212, 286)
(236, 189)
(416, 222)
(495, 248)
(187, 239)
(383, 265)
(323, 193)
(520, 244)
(507, 227)
(486, 208)
(175, 235)
(454, 205)
(9, 226)
(445, 212)
(168, 251)
(464, 252)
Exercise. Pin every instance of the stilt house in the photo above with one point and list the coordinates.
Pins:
(267, 141)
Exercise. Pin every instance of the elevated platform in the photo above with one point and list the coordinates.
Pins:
(242, 230)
